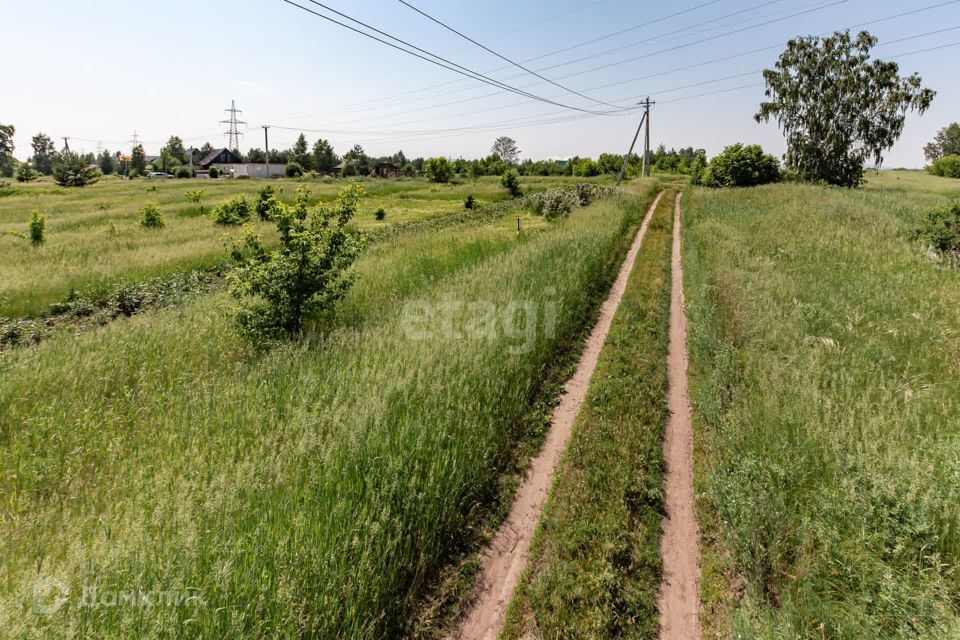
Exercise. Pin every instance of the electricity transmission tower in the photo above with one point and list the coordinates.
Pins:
(233, 132)
(645, 120)
(134, 141)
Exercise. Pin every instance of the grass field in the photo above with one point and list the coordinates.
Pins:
(311, 490)
(94, 240)
(825, 355)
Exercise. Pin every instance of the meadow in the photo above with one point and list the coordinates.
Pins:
(310, 489)
(825, 359)
(95, 242)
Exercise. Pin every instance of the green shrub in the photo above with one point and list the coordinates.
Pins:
(26, 172)
(438, 169)
(742, 166)
(70, 170)
(294, 170)
(940, 228)
(183, 172)
(214, 173)
(587, 168)
(945, 167)
(266, 202)
(380, 214)
(308, 272)
(470, 202)
(511, 182)
(151, 217)
(195, 196)
(234, 211)
(38, 227)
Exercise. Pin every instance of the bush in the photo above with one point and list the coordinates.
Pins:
(151, 217)
(945, 167)
(38, 227)
(195, 196)
(294, 170)
(380, 214)
(587, 168)
(742, 166)
(308, 272)
(26, 172)
(511, 182)
(940, 228)
(70, 170)
(470, 202)
(438, 169)
(234, 211)
(214, 173)
(266, 202)
(183, 172)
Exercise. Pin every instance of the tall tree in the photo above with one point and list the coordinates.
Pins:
(947, 143)
(138, 161)
(106, 162)
(73, 170)
(6, 149)
(324, 158)
(176, 150)
(506, 149)
(359, 158)
(837, 107)
(205, 149)
(300, 153)
(44, 152)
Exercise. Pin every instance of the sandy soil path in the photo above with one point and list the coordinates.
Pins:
(679, 596)
(506, 557)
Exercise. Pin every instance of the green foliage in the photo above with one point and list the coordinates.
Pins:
(741, 166)
(106, 162)
(940, 228)
(358, 160)
(72, 170)
(176, 150)
(195, 196)
(946, 167)
(294, 169)
(505, 148)
(510, 181)
(300, 155)
(381, 214)
(6, 149)
(151, 217)
(557, 203)
(44, 152)
(469, 202)
(946, 143)
(233, 211)
(587, 168)
(324, 158)
(266, 202)
(138, 161)
(26, 173)
(214, 172)
(438, 169)
(837, 107)
(308, 272)
(38, 227)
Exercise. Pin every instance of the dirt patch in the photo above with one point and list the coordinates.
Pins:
(506, 557)
(679, 597)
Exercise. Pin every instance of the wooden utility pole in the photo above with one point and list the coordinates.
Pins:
(266, 151)
(645, 173)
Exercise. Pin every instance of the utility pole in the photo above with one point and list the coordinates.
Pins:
(646, 141)
(623, 168)
(266, 151)
(233, 131)
(66, 143)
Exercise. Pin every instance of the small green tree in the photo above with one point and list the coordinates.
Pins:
(196, 197)
(506, 149)
(267, 202)
(324, 158)
(510, 181)
(837, 107)
(214, 173)
(234, 211)
(741, 166)
(300, 153)
(138, 161)
(438, 169)
(71, 170)
(940, 228)
(38, 227)
(26, 172)
(947, 143)
(151, 217)
(307, 273)
(44, 152)
(946, 167)
(294, 169)
(106, 162)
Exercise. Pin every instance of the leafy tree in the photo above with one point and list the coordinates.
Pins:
(167, 161)
(838, 108)
(176, 150)
(947, 143)
(511, 182)
(38, 227)
(6, 149)
(940, 228)
(266, 202)
(300, 153)
(438, 169)
(151, 217)
(506, 149)
(293, 169)
(214, 173)
(234, 211)
(324, 159)
(44, 152)
(26, 172)
(72, 170)
(946, 167)
(138, 161)
(398, 159)
(196, 197)
(742, 166)
(308, 272)
(205, 149)
(256, 155)
(106, 161)
(587, 168)
(359, 159)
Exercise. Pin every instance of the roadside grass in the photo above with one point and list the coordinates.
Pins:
(824, 366)
(94, 240)
(308, 490)
(594, 569)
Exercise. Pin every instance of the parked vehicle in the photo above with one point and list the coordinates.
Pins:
(156, 175)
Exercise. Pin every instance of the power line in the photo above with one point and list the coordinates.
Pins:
(506, 59)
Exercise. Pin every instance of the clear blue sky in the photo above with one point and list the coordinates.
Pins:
(97, 71)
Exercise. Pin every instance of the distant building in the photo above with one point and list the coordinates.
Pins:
(219, 157)
(386, 170)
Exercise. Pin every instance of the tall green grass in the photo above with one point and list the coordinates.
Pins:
(825, 369)
(594, 568)
(311, 490)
